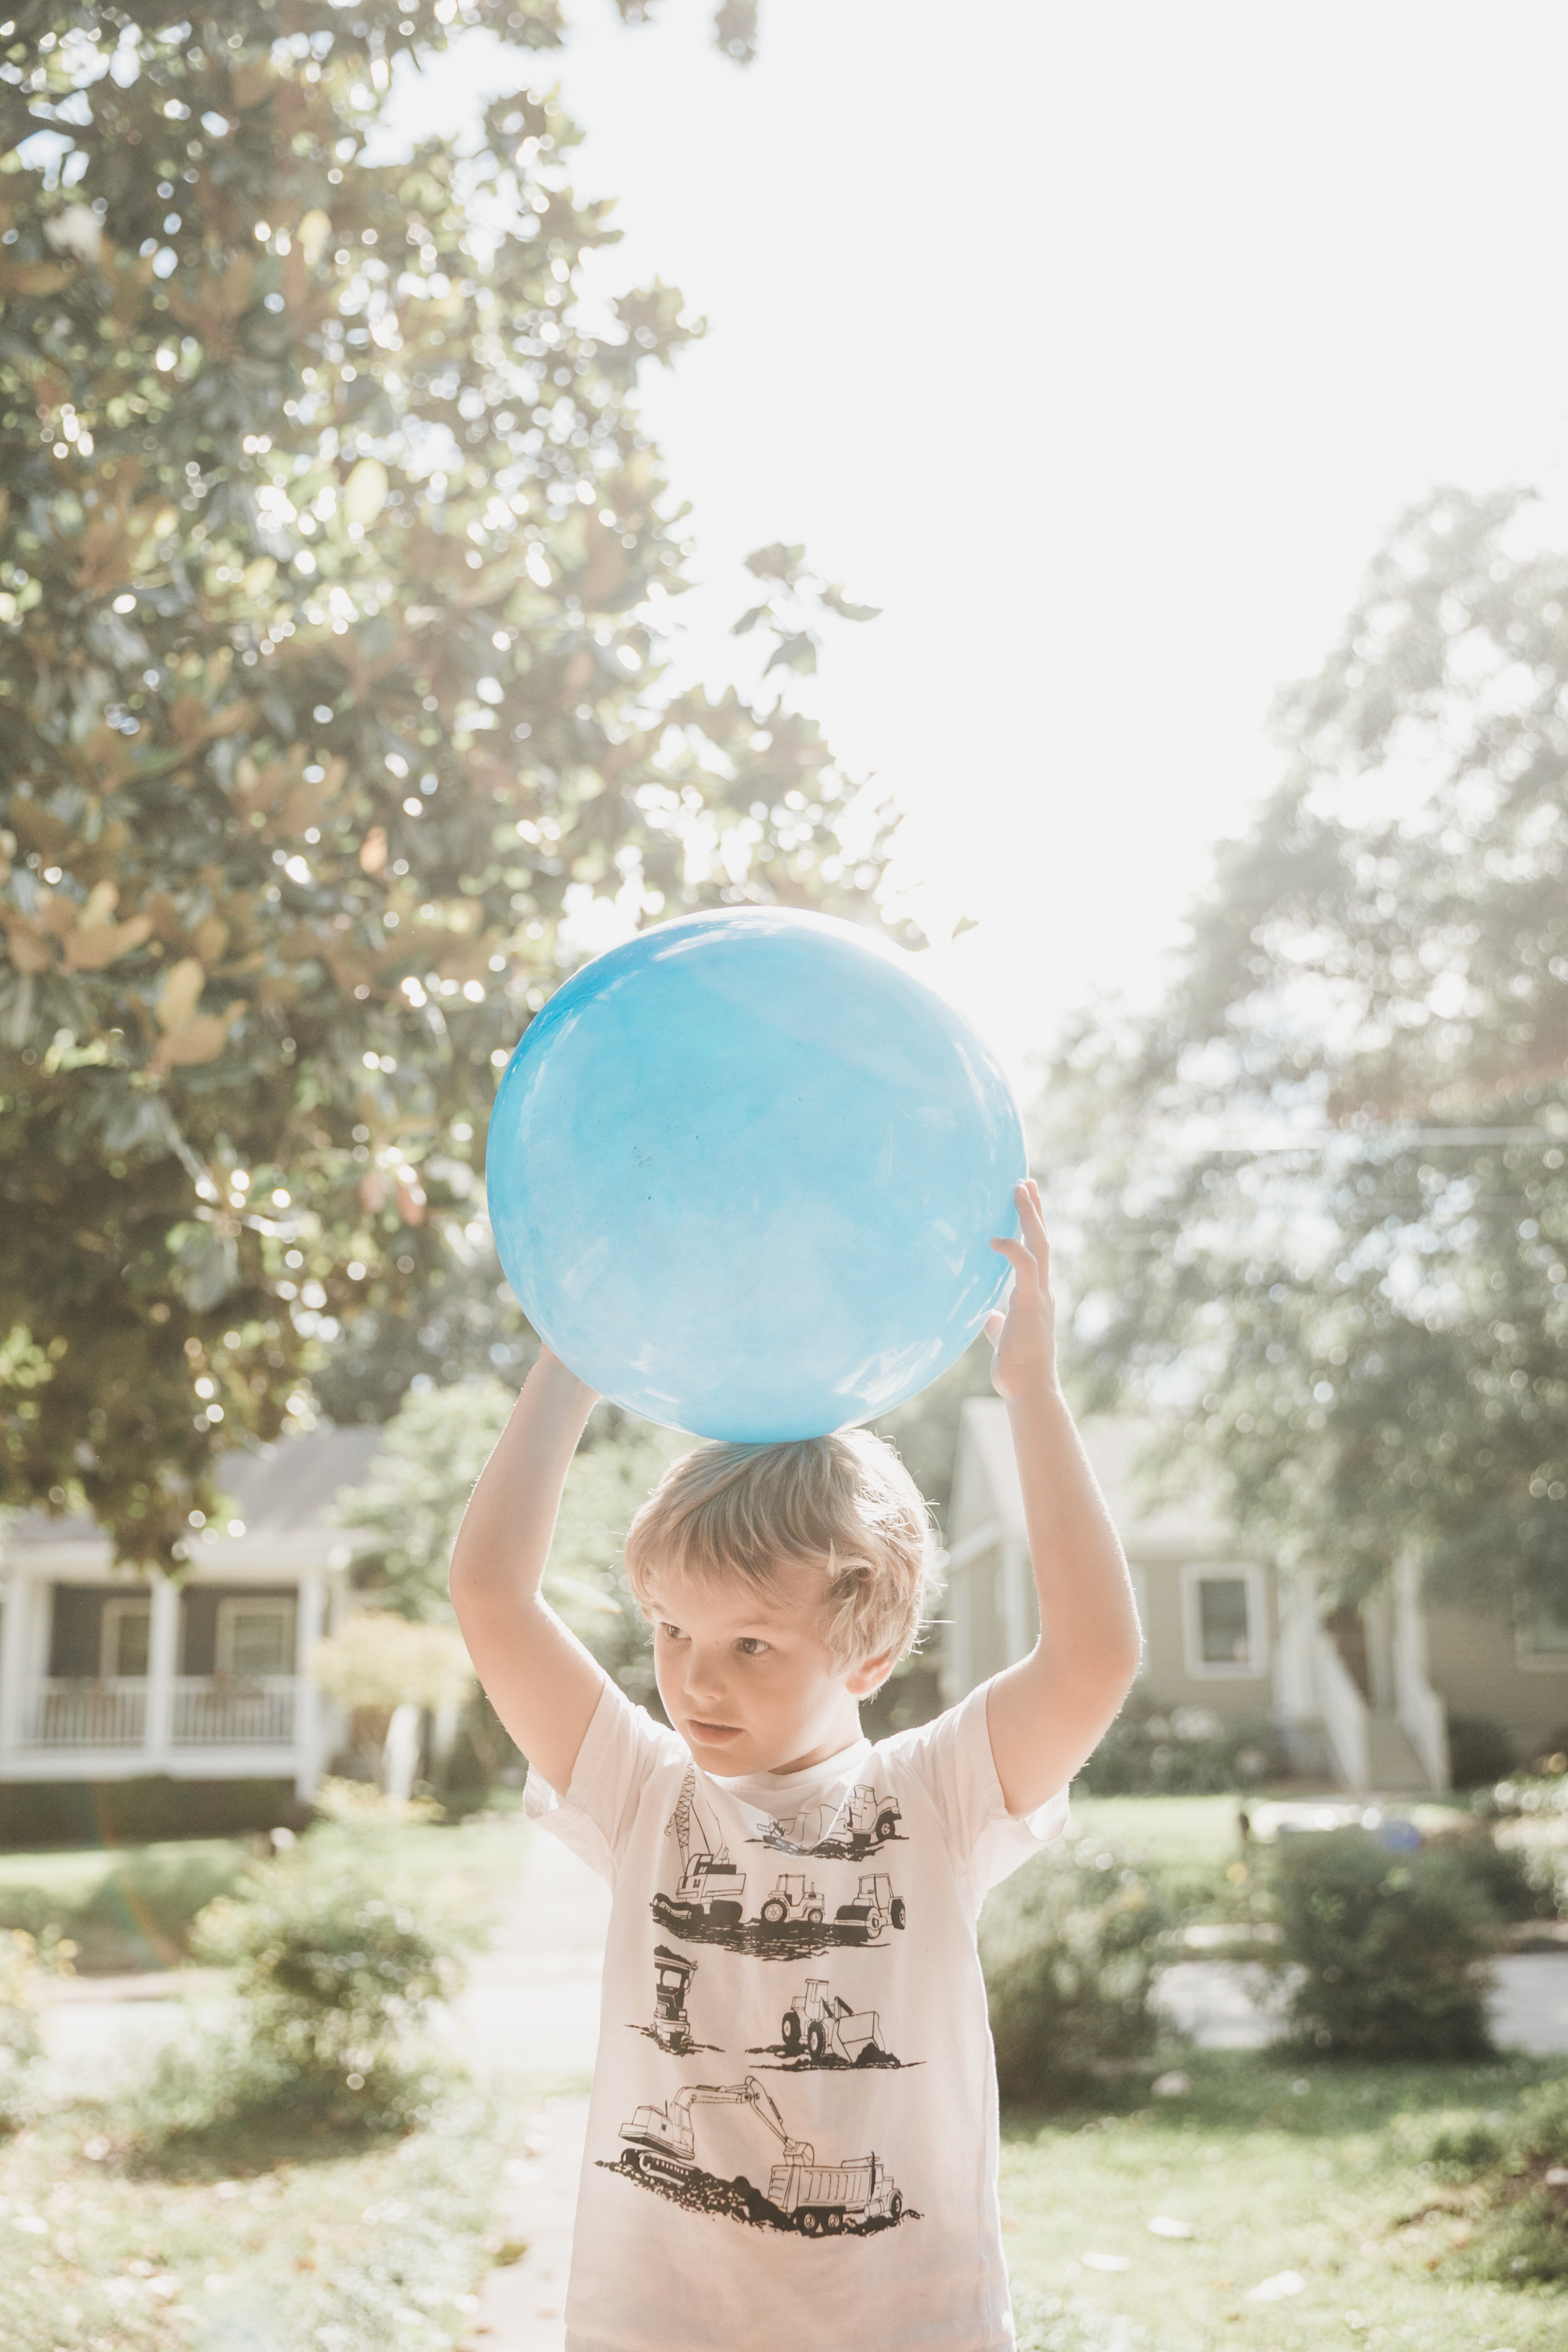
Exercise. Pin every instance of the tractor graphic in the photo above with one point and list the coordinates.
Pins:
(794, 1898)
(818, 2200)
(710, 1887)
(824, 2026)
(875, 1907)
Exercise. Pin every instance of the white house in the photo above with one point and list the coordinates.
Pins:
(107, 1675)
(1362, 1697)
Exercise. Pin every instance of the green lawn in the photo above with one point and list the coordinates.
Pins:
(125, 1907)
(1320, 2174)
(131, 1906)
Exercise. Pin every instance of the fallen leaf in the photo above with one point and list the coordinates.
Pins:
(1105, 2261)
(1275, 2289)
(1163, 2226)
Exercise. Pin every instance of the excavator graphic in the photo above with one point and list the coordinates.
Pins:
(710, 1887)
(818, 2200)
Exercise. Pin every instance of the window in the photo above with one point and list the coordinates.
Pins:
(1224, 1613)
(124, 1633)
(1540, 1639)
(254, 1638)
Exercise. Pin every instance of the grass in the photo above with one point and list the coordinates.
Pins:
(124, 1907)
(1322, 2174)
(130, 1907)
(1187, 1835)
(332, 2245)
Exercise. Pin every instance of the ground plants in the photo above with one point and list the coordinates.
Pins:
(1308, 2179)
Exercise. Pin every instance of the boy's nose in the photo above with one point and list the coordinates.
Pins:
(704, 1679)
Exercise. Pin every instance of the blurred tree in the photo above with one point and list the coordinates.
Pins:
(1365, 1333)
(409, 1510)
(334, 572)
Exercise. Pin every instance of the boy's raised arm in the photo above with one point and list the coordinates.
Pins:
(1046, 1713)
(541, 1682)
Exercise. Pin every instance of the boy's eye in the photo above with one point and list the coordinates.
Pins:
(671, 1633)
(751, 1647)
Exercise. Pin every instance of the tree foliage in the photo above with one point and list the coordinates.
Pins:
(334, 573)
(1365, 1330)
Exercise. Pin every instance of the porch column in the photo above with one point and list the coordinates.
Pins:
(162, 1647)
(14, 1629)
(310, 1621)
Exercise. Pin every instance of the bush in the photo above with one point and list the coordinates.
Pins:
(1386, 1951)
(1479, 1750)
(332, 1969)
(1185, 1752)
(1069, 1946)
(25, 1963)
(53, 1814)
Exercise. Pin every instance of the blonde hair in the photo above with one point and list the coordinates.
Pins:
(843, 1503)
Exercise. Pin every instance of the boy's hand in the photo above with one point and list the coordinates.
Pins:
(1024, 1338)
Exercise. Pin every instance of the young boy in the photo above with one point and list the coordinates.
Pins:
(791, 2141)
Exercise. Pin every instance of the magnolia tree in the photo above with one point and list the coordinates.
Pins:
(335, 569)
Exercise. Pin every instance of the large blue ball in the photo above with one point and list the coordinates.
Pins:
(743, 1172)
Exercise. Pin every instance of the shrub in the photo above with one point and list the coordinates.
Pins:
(1185, 1752)
(333, 1968)
(1479, 1750)
(1384, 1952)
(25, 1963)
(1069, 1946)
(53, 1813)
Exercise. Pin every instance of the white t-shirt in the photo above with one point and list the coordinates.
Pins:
(791, 2141)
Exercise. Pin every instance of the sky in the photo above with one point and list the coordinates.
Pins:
(1099, 347)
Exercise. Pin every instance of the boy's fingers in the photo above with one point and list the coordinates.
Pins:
(1031, 1216)
(993, 1326)
(1018, 1257)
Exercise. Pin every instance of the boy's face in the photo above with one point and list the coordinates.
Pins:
(746, 1677)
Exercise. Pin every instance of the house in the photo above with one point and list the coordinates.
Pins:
(1364, 1697)
(108, 1675)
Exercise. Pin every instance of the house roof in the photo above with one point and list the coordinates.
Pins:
(988, 1499)
(283, 1495)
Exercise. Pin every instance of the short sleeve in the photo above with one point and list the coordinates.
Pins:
(622, 1749)
(952, 1759)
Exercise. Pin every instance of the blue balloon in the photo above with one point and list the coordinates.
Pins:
(743, 1172)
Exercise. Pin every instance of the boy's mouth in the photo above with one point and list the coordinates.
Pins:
(712, 1735)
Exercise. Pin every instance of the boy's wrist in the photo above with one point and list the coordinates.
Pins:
(551, 1371)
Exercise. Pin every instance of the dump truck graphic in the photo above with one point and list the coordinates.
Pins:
(820, 2200)
(822, 2026)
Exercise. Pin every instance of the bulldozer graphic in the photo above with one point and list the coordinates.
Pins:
(819, 2200)
(820, 2029)
(844, 1832)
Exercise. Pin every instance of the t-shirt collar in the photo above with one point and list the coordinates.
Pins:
(766, 1788)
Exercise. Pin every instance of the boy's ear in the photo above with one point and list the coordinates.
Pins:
(870, 1676)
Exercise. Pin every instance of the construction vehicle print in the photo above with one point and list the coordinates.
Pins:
(820, 2029)
(875, 1907)
(672, 1974)
(819, 2200)
(844, 1832)
(793, 1898)
(711, 1889)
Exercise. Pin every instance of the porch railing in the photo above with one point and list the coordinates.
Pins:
(204, 1711)
(209, 1713)
(109, 1713)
